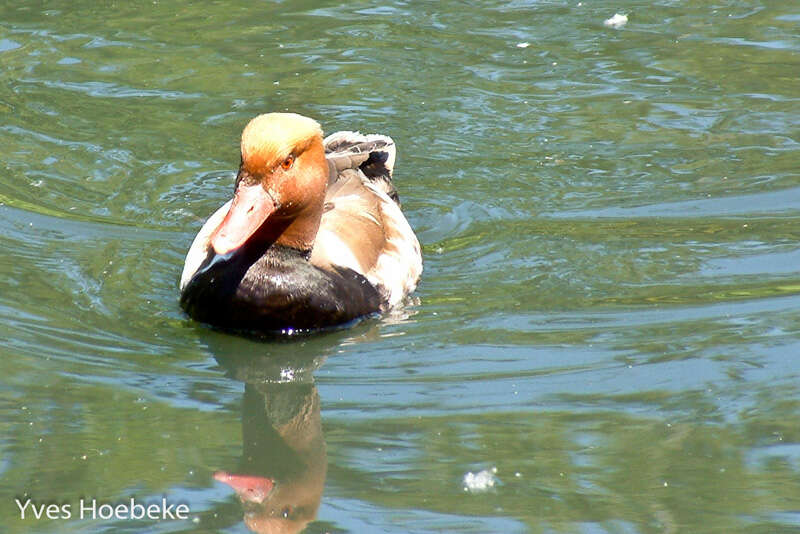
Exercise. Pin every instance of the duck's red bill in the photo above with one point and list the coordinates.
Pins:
(248, 487)
(251, 206)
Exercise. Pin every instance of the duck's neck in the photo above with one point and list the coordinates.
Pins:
(281, 234)
(301, 231)
(300, 221)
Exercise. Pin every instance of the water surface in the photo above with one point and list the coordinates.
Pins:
(609, 314)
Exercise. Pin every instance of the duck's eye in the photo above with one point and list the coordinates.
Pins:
(287, 163)
(286, 512)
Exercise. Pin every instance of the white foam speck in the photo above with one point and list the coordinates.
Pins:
(523, 45)
(480, 481)
(287, 375)
(617, 21)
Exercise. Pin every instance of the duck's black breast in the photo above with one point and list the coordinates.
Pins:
(274, 291)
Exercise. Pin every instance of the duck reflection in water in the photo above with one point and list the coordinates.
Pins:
(281, 475)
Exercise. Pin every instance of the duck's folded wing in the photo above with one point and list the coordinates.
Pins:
(363, 229)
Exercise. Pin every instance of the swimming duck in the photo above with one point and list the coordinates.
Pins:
(314, 236)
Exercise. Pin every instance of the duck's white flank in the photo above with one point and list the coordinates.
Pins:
(201, 244)
(399, 265)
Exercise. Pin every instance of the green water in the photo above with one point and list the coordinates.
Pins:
(609, 313)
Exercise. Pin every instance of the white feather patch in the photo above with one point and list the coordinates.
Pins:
(201, 244)
(332, 247)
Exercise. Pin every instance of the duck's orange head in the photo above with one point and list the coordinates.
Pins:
(282, 178)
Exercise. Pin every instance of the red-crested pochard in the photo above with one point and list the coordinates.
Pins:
(314, 236)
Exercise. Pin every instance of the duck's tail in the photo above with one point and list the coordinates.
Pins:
(372, 154)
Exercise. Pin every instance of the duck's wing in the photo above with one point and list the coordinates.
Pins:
(362, 226)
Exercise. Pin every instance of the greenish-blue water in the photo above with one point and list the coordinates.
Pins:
(609, 314)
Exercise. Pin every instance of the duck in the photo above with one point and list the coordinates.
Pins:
(313, 238)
